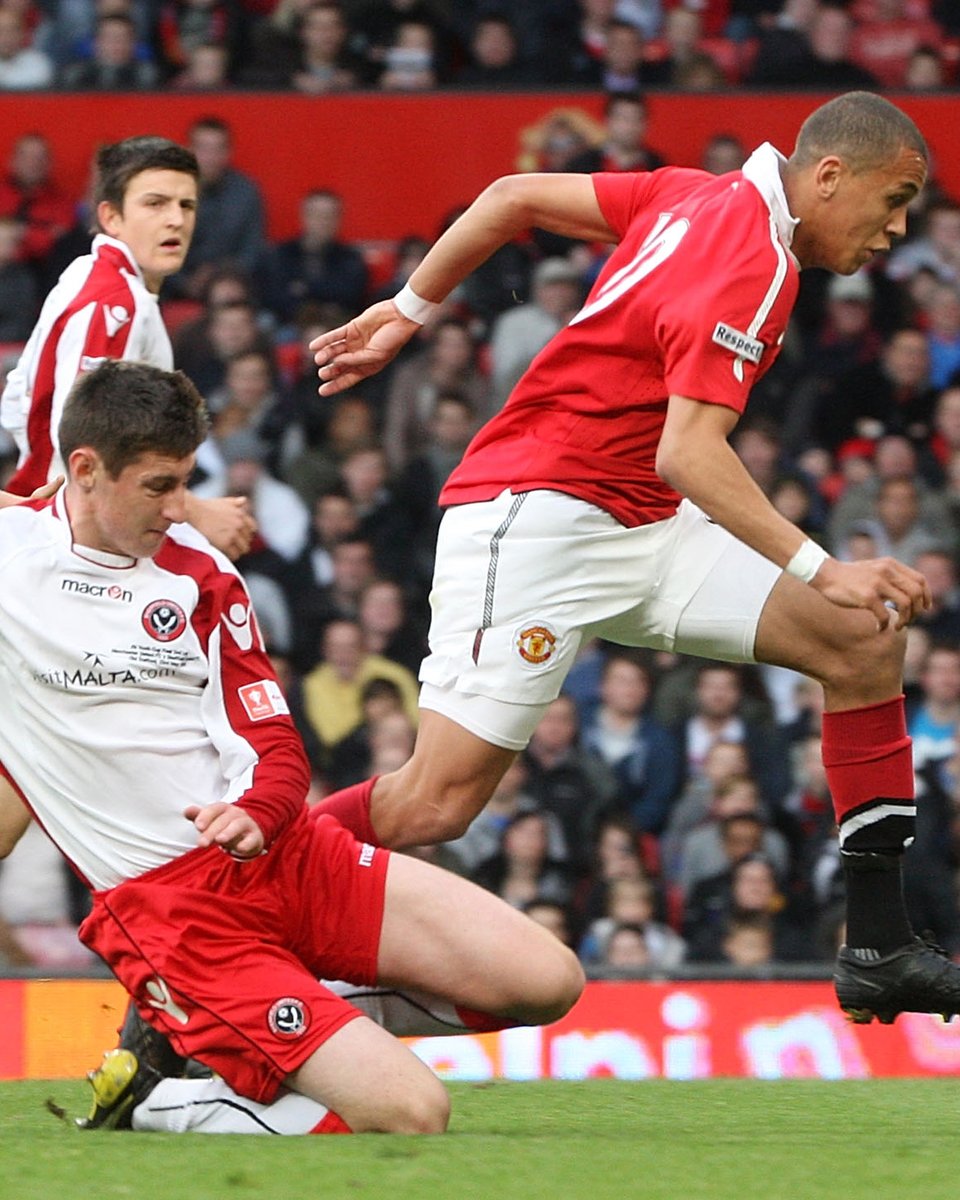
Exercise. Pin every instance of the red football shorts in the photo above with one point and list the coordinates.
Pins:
(224, 956)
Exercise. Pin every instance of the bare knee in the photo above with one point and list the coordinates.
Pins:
(424, 1109)
(866, 669)
(557, 982)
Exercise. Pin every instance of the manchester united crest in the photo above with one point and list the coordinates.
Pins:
(535, 644)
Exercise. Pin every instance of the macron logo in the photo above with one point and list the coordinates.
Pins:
(160, 998)
(237, 620)
(741, 344)
(115, 316)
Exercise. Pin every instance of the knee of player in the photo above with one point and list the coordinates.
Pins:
(560, 984)
(426, 1111)
(867, 660)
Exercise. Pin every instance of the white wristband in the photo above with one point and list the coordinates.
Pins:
(807, 561)
(412, 306)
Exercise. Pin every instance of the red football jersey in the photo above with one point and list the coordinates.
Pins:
(693, 301)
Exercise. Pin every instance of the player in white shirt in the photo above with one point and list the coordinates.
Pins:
(141, 722)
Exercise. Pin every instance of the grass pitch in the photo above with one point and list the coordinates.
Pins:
(600, 1140)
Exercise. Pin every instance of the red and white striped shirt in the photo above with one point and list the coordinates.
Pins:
(693, 301)
(100, 308)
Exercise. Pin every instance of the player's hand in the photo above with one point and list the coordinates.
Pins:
(8, 499)
(362, 347)
(227, 826)
(226, 521)
(884, 586)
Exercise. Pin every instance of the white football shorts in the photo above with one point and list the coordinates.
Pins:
(521, 581)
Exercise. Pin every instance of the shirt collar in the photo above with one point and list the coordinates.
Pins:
(763, 169)
(103, 239)
(99, 558)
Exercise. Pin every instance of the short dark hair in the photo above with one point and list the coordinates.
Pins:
(119, 162)
(123, 410)
(862, 128)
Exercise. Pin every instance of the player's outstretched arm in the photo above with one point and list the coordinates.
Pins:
(564, 204)
(695, 457)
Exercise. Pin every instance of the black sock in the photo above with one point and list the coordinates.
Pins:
(876, 913)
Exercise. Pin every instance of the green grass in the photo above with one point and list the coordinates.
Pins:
(603, 1140)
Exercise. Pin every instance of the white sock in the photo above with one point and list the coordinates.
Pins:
(212, 1106)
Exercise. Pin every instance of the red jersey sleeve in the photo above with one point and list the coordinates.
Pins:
(723, 303)
(245, 710)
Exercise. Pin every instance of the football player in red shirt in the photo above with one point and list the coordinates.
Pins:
(605, 499)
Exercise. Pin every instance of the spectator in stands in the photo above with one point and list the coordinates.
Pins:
(576, 40)
(937, 250)
(30, 194)
(388, 627)
(350, 760)
(748, 941)
(929, 882)
(890, 396)
(633, 902)
(644, 755)
(782, 55)
(925, 71)
(625, 147)
(495, 60)
(623, 67)
(74, 27)
(283, 520)
(724, 761)
(334, 519)
(710, 848)
(942, 619)
(114, 66)
(227, 330)
(331, 694)
(829, 65)
(22, 67)
(934, 722)
(316, 265)
(183, 25)
(448, 363)
(377, 24)
(273, 51)
(943, 334)
(886, 36)
(417, 486)
(898, 525)
(520, 333)
(522, 869)
(894, 458)
(18, 286)
(230, 220)
(567, 780)
(484, 836)
(325, 63)
(206, 69)
(410, 61)
(383, 522)
(332, 434)
(723, 152)
(626, 949)
(748, 890)
(679, 46)
(552, 916)
(314, 603)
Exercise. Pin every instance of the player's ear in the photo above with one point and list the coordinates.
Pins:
(828, 173)
(109, 217)
(84, 464)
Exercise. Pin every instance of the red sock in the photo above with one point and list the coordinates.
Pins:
(869, 764)
(351, 807)
(481, 1022)
(331, 1123)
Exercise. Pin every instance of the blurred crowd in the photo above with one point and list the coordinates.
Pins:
(667, 810)
(320, 46)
